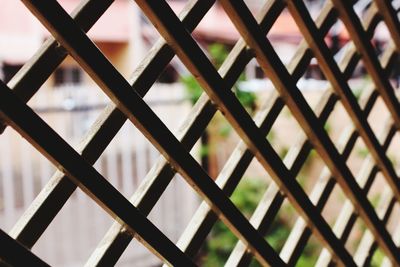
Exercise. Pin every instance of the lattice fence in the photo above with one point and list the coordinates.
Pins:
(75, 167)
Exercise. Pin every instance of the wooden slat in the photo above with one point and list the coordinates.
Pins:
(115, 86)
(296, 157)
(196, 232)
(28, 80)
(57, 191)
(391, 19)
(116, 240)
(271, 64)
(370, 60)
(13, 253)
(51, 145)
(198, 64)
(75, 168)
(299, 235)
(333, 74)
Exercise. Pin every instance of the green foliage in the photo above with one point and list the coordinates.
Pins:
(218, 54)
(362, 152)
(193, 88)
(377, 258)
(221, 240)
(204, 150)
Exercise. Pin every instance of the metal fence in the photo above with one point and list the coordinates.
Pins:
(75, 168)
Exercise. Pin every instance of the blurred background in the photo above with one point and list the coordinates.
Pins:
(71, 102)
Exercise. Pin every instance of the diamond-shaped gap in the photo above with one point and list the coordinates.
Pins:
(172, 102)
(381, 38)
(121, 33)
(314, 7)
(206, 32)
(355, 236)
(360, 8)
(284, 133)
(77, 230)
(281, 229)
(393, 224)
(285, 36)
(378, 116)
(377, 189)
(69, 101)
(313, 82)
(337, 41)
(167, 217)
(127, 159)
(281, 226)
(23, 173)
(310, 172)
(215, 42)
(74, 233)
(358, 157)
(334, 205)
(221, 241)
(310, 253)
(256, 171)
(338, 126)
(219, 144)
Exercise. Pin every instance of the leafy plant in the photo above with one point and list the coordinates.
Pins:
(221, 240)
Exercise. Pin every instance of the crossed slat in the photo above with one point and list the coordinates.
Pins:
(113, 84)
(29, 79)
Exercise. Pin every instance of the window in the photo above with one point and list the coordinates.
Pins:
(68, 76)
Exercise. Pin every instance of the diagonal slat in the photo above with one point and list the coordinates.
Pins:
(51, 145)
(115, 86)
(371, 62)
(391, 19)
(295, 157)
(349, 101)
(272, 65)
(196, 232)
(170, 27)
(334, 75)
(27, 81)
(13, 253)
(116, 240)
(57, 191)
(76, 168)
